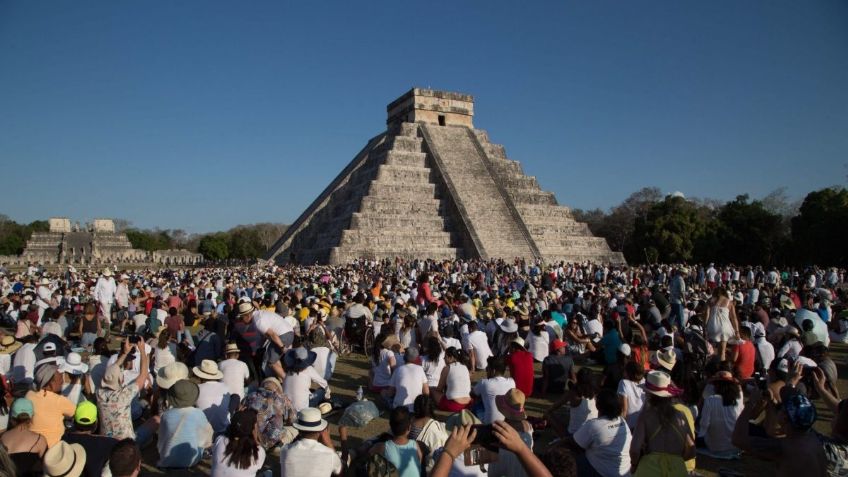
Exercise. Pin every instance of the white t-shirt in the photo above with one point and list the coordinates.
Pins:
(717, 423)
(214, 401)
(296, 386)
(235, 374)
(383, 371)
(634, 394)
(268, 320)
(539, 346)
(458, 382)
(433, 369)
(322, 354)
(607, 444)
(309, 458)
(479, 343)
(222, 467)
(488, 390)
(451, 343)
(409, 381)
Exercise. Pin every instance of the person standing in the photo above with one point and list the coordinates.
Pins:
(104, 293)
(677, 294)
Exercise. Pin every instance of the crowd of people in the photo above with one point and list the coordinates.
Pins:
(644, 368)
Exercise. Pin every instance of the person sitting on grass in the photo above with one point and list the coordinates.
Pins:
(404, 454)
(800, 452)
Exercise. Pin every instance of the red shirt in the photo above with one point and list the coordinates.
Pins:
(744, 364)
(521, 369)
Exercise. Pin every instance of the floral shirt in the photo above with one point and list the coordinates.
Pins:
(115, 411)
(274, 412)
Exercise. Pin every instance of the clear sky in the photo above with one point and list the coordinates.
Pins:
(206, 114)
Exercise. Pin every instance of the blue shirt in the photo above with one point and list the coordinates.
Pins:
(611, 341)
(183, 435)
(404, 458)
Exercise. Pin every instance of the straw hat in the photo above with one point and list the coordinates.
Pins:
(107, 272)
(390, 341)
(309, 420)
(511, 404)
(666, 358)
(325, 408)
(462, 418)
(44, 281)
(170, 374)
(208, 369)
(518, 341)
(8, 344)
(245, 308)
(232, 348)
(112, 378)
(658, 383)
(65, 460)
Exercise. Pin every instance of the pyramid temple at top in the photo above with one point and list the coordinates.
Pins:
(433, 186)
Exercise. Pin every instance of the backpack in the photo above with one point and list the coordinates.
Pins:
(379, 466)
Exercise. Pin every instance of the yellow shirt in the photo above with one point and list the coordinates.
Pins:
(50, 410)
(690, 464)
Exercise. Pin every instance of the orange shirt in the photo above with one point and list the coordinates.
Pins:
(49, 412)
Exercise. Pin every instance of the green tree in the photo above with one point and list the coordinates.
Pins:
(245, 243)
(150, 240)
(668, 231)
(214, 247)
(820, 228)
(749, 233)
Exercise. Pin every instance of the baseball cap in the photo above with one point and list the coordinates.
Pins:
(86, 413)
(21, 406)
(49, 346)
(557, 344)
(624, 349)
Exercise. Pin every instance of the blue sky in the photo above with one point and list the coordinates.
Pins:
(206, 114)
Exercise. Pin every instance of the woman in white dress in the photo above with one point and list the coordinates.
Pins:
(722, 324)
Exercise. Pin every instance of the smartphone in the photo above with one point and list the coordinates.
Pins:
(134, 338)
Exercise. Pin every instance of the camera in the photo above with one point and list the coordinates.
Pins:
(486, 437)
(134, 338)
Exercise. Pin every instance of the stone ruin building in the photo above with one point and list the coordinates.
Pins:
(433, 186)
(97, 243)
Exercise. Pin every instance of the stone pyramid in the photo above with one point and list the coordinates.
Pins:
(432, 186)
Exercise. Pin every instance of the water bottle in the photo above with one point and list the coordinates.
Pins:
(360, 393)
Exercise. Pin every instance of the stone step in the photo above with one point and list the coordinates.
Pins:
(388, 189)
(380, 204)
(546, 229)
(406, 158)
(394, 239)
(403, 174)
(408, 129)
(543, 210)
(423, 220)
(404, 143)
(529, 196)
(348, 255)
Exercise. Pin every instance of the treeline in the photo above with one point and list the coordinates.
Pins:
(243, 242)
(651, 227)
(13, 236)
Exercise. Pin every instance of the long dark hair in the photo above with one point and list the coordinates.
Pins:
(664, 407)
(728, 390)
(242, 449)
(432, 348)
